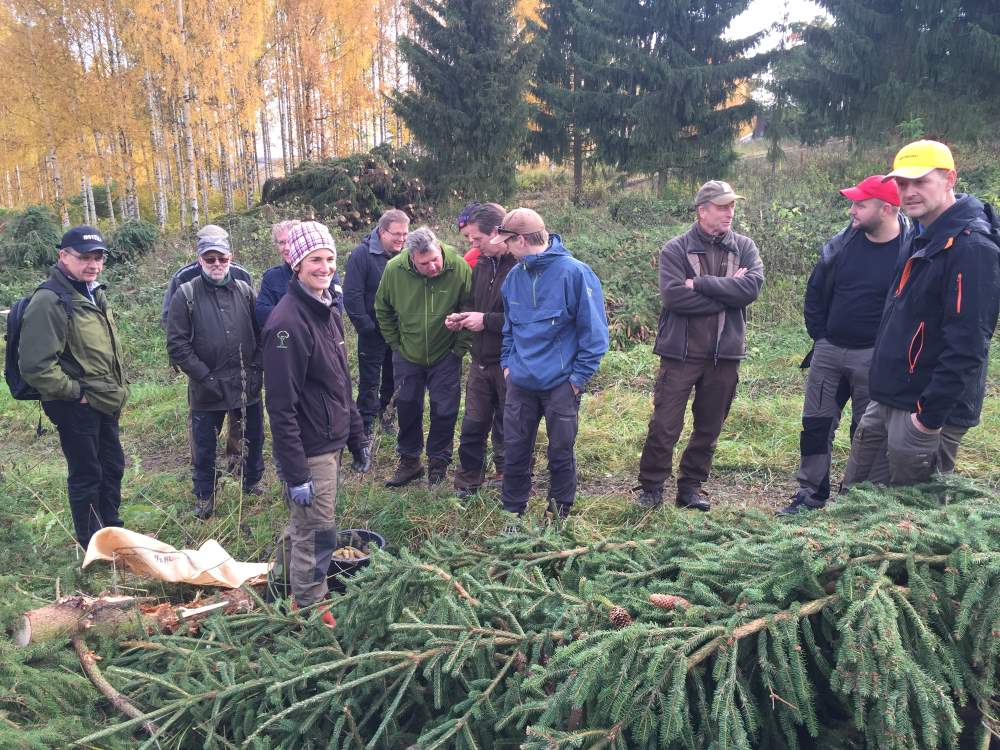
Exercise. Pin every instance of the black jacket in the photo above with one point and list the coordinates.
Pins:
(487, 278)
(216, 344)
(361, 279)
(192, 271)
(274, 284)
(933, 344)
(308, 383)
(823, 279)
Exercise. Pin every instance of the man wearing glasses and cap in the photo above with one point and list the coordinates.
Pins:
(69, 353)
(213, 337)
(928, 373)
(708, 277)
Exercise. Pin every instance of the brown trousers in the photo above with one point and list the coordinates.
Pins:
(714, 385)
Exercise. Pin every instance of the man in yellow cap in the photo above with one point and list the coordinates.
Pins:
(928, 373)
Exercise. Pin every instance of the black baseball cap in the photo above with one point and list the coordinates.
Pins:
(83, 239)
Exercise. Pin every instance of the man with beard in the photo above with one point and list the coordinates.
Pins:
(843, 306)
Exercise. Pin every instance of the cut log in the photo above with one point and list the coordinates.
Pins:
(70, 615)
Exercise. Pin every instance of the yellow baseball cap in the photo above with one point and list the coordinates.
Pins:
(916, 159)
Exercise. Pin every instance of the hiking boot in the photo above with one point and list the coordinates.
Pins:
(557, 511)
(409, 468)
(512, 525)
(257, 490)
(436, 471)
(204, 507)
(692, 498)
(650, 499)
(801, 503)
(464, 494)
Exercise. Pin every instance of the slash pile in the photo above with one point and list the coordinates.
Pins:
(874, 623)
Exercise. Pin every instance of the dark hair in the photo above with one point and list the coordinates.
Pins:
(487, 217)
(465, 215)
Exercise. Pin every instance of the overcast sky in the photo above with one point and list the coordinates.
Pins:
(762, 13)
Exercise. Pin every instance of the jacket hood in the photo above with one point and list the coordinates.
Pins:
(374, 243)
(554, 250)
(966, 213)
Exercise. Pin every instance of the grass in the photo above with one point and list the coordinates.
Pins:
(754, 466)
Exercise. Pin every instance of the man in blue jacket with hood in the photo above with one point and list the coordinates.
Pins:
(928, 373)
(555, 334)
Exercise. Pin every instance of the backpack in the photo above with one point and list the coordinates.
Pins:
(19, 389)
(187, 289)
(994, 222)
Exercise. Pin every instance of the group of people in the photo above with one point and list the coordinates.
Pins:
(901, 309)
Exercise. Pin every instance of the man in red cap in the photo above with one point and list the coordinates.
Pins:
(843, 306)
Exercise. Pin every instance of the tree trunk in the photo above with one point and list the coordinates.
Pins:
(131, 191)
(17, 182)
(265, 138)
(156, 136)
(105, 175)
(186, 94)
(10, 191)
(182, 181)
(252, 178)
(577, 165)
(225, 179)
(91, 201)
(57, 185)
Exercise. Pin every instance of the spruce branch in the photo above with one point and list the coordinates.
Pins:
(88, 660)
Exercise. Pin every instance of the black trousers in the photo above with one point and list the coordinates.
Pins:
(523, 411)
(95, 463)
(443, 383)
(485, 393)
(205, 427)
(375, 377)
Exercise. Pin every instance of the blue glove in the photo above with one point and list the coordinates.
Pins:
(302, 494)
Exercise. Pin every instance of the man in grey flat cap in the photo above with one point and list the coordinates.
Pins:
(708, 276)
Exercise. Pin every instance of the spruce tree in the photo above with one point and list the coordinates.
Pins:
(661, 81)
(558, 88)
(881, 63)
(470, 66)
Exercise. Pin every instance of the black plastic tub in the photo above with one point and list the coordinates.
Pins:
(362, 540)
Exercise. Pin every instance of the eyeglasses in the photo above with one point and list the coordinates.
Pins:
(93, 255)
(213, 260)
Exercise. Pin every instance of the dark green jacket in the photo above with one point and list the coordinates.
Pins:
(411, 308)
(66, 357)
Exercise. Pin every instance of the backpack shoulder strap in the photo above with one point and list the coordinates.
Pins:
(187, 289)
(64, 295)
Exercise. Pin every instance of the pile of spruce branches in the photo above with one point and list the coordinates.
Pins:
(353, 191)
(871, 624)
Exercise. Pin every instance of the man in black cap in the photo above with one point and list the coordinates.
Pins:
(69, 353)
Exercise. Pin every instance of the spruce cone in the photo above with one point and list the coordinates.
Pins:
(668, 601)
(620, 617)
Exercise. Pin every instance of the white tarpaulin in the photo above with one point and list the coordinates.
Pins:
(209, 565)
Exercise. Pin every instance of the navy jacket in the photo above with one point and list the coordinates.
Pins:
(555, 325)
(934, 340)
(274, 284)
(364, 272)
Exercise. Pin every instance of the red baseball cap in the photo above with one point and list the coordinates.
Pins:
(873, 187)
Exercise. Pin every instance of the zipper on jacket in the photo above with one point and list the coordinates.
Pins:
(958, 300)
(911, 356)
(904, 276)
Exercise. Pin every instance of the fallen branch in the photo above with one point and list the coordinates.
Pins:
(453, 581)
(88, 660)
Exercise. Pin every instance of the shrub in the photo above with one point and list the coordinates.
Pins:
(131, 241)
(30, 238)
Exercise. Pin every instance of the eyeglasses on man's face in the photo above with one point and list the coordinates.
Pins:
(94, 256)
(213, 260)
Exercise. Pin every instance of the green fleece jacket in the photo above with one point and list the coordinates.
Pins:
(65, 357)
(411, 308)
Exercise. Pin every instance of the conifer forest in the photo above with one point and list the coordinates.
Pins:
(870, 624)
